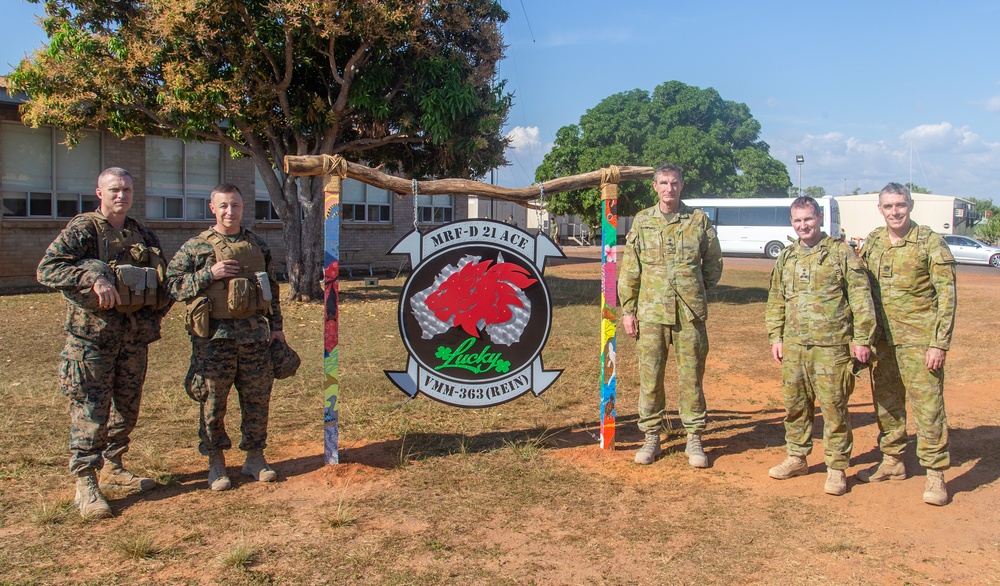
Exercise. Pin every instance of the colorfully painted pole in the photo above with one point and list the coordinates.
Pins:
(609, 312)
(331, 364)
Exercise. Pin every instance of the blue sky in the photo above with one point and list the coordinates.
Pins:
(851, 86)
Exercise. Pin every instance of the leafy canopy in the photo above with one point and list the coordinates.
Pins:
(716, 142)
(405, 83)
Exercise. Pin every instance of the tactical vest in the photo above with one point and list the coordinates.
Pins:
(246, 293)
(140, 271)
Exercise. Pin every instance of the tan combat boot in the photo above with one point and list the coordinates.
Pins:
(695, 453)
(935, 491)
(114, 475)
(650, 449)
(257, 468)
(792, 466)
(836, 482)
(890, 468)
(217, 478)
(89, 498)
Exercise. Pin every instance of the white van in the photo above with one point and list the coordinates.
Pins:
(760, 225)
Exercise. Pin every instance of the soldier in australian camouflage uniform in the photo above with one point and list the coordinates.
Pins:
(234, 349)
(671, 257)
(104, 361)
(819, 316)
(912, 272)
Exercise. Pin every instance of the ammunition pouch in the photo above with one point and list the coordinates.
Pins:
(196, 316)
(139, 270)
(239, 297)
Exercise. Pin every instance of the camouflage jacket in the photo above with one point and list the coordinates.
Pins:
(667, 266)
(189, 272)
(101, 328)
(913, 282)
(820, 297)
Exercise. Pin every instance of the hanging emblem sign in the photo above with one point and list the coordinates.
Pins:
(475, 313)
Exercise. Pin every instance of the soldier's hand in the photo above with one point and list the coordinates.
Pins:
(277, 335)
(935, 358)
(107, 295)
(777, 352)
(224, 269)
(861, 353)
(631, 325)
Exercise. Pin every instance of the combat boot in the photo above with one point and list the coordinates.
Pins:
(792, 466)
(650, 449)
(935, 491)
(890, 468)
(695, 453)
(217, 478)
(89, 498)
(836, 482)
(114, 475)
(257, 468)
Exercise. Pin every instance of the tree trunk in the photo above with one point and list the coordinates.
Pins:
(303, 234)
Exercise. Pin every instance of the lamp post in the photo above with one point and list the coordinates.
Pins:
(800, 159)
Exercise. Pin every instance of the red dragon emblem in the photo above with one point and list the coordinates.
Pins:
(475, 295)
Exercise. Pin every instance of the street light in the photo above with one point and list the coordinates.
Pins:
(800, 159)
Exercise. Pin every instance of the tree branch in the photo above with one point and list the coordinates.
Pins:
(314, 165)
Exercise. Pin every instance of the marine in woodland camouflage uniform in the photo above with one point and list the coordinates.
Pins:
(103, 363)
(672, 255)
(235, 352)
(912, 272)
(819, 316)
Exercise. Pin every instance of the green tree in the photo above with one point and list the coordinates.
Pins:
(988, 228)
(716, 142)
(405, 84)
(815, 191)
(914, 188)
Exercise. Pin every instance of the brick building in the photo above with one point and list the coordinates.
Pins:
(44, 184)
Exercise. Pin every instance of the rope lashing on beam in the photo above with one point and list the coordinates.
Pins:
(335, 164)
(610, 176)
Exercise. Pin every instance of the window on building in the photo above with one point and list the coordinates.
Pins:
(435, 209)
(360, 202)
(44, 178)
(263, 210)
(179, 178)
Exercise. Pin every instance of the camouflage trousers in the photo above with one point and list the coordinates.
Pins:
(823, 374)
(104, 387)
(901, 374)
(217, 365)
(690, 342)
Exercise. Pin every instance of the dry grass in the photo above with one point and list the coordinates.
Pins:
(427, 494)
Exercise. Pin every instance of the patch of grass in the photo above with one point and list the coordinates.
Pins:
(51, 513)
(136, 545)
(342, 517)
(241, 555)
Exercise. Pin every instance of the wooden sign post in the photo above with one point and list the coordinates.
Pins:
(334, 168)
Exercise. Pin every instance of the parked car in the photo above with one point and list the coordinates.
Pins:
(972, 251)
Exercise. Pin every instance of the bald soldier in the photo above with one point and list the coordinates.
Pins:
(912, 272)
(819, 317)
(672, 256)
(110, 269)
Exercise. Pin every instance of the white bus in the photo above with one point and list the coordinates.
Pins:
(760, 225)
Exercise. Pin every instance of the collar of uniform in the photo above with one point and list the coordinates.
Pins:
(230, 237)
(683, 211)
(911, 236)
(823, 244)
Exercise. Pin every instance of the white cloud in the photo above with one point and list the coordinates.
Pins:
(523, 137)
(993, 104)
(945, 158)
